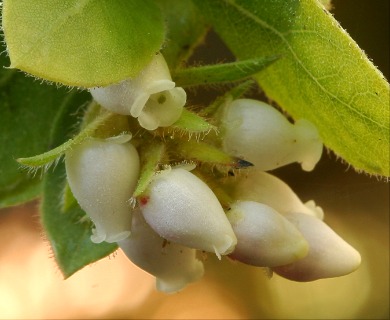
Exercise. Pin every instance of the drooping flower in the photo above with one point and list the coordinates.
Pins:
(151, 96)
(260, 134)
(173, 265)
(329, 255)
(102, 175)
(259, 186)
(265, 237)
(181, 208)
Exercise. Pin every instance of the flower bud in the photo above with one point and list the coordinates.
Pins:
(329, 255)
(259, 186)
(173, 265)
(151, 96)
(264, 237)
(182, 208)
(258, 133)
(102, 175)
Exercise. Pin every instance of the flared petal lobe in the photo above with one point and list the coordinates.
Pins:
(151, 96)
(258, 133)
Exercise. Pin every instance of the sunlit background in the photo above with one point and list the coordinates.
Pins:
(356, 206)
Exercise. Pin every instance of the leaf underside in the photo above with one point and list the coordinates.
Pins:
(83, 43)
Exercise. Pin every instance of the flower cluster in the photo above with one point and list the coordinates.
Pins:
(248, 215)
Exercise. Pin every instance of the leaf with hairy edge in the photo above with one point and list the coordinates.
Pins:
(322, 74)
(66, 226)
(84, 43)
(28, 114)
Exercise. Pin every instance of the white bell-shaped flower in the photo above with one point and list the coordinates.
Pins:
(257, 132)
(329, 255)
(173, 265)
(151, 96)
(259, 186)
(265, 237)
(102, 175)
(181, 208)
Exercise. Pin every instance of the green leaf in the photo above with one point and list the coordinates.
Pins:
(83, 43)
(66, 226)
(28, 114)
(185, 29)
(322, 75)
(221, 73)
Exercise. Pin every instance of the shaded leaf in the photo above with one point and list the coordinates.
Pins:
(185, 29)
(66, 226)
(53, 156)
(68, 231)
(28, 113)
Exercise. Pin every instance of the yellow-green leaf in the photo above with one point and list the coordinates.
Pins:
(83, 43)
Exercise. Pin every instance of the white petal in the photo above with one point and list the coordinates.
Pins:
(329, 255)
(163, 109)
(260, 134)
(259, 186)
(151, 96)
(173, 265)
(264, 237)
(182, 208)
(102, 176)
(119, 97)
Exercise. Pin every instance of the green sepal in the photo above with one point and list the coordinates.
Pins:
(191, 123)
(151, 156)
(201, 152)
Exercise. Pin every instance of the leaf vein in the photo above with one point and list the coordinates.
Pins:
(265, 25)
